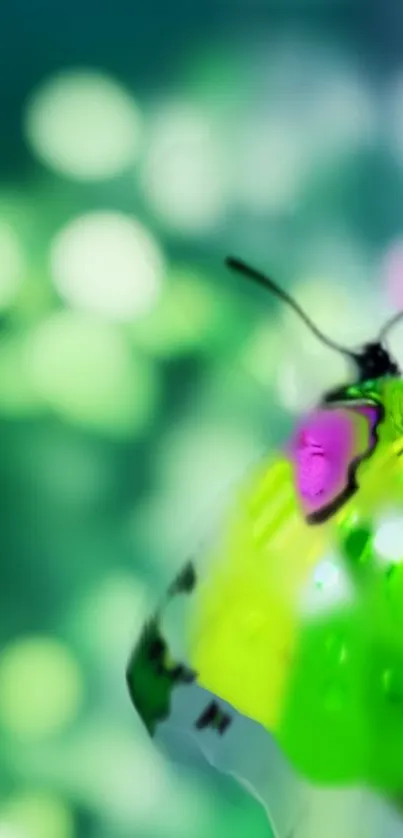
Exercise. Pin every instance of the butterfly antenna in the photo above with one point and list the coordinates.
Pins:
(389, 325)
(264, 281)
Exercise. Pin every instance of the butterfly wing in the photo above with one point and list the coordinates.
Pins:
(243, 626)
(245, 623)
(209, 673)
(247, 650)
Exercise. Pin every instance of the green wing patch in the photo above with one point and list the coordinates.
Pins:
(152, 676)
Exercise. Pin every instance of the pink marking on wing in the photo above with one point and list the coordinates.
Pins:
(321, 451)
(313, 471)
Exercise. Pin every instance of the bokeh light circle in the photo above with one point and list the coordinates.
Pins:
(213, 458)
(41, 687)
(84, 125)
(12, 264)
(112, 616)
(388, 538)
(109, 264)
(11, 830)
(294, 391)
(271, 165)
(84, 370)
(328, 590)
(36, 815)
(185, 174)
(188, 314)
(18, 395)
(392, 271)
(341, 114)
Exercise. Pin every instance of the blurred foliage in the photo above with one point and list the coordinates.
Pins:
(139, 145)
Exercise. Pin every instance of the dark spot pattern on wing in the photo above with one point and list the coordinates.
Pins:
(215, 718)
(151, 677)
(185, 582)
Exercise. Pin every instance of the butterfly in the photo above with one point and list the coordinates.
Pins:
(288, 664)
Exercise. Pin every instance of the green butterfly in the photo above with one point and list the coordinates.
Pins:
(288, 663)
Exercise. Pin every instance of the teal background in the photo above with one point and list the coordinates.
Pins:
(138, 380)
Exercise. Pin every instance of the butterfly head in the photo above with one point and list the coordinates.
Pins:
(375, 361)
(372, 361)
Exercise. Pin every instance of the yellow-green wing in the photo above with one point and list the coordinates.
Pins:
(209, 671)
(243, 621)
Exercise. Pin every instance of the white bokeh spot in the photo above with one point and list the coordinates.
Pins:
(388, 540)
(108, 264)
(184, 174)
(328, 589)
(84, 125)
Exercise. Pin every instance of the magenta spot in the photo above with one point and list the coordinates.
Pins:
(313, 469)
(322, 450)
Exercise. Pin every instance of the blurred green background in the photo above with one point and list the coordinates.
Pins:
(139, 145)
